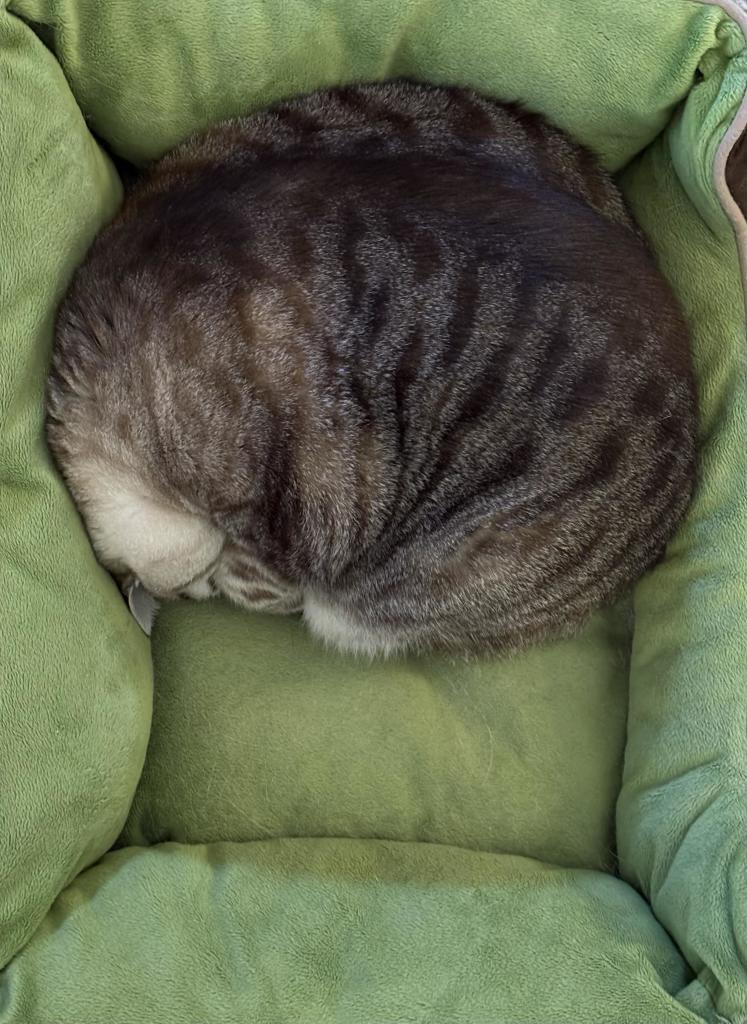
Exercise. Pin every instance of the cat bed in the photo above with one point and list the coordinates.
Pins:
(229, 824)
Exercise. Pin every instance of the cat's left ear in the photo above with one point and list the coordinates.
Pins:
(142, 604)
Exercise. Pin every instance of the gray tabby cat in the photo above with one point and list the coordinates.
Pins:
(393, 355)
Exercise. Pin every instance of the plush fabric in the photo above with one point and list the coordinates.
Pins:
(682, 814)
(74, 670)
(148, 74)
(426, 750)
(258, 734)
(314, 931)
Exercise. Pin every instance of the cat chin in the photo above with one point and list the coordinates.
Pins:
(338, 629)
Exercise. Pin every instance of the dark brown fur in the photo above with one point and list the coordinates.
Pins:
(402, 344)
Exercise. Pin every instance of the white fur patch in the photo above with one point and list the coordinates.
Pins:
(136, 530)
(337, 629)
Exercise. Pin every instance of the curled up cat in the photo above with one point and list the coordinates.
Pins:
(393, 356)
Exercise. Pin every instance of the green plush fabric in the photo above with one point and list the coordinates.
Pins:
(148, 74)
(315, 931)
(682, 814)
(74, 671)
(286, 739)
(259, 734)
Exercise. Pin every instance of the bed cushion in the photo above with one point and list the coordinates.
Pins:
(360, 932)
(75, 675)
(257, 734)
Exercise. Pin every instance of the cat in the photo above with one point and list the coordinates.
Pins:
(391, 355)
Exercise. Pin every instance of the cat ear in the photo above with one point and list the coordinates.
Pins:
(142, 605)
(163, 546)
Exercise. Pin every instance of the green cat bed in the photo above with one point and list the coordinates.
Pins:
(274, 834)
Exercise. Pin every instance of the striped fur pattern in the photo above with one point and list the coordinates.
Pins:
(394, 355)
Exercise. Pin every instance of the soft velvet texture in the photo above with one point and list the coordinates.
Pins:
(425, 750)
(316, 931)
(259, 734)
(75, 676)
